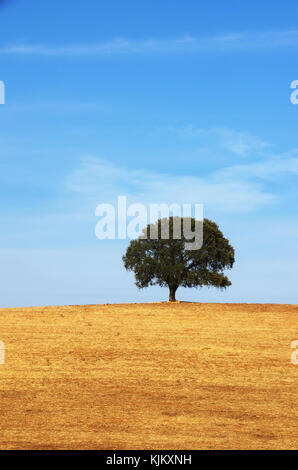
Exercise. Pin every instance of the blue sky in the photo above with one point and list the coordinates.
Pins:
(168, 101)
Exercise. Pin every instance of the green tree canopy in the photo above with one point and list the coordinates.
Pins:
(167, 263)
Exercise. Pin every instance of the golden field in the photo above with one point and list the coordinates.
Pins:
(149, 376)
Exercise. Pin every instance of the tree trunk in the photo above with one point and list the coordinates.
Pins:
(172, 297)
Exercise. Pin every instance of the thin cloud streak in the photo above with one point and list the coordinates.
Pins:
(272, 169)
(100, 181)
(121, 46)
(239, 143)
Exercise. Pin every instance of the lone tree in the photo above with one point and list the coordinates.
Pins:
(167, 262)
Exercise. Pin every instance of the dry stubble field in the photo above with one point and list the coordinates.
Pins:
(149, 376)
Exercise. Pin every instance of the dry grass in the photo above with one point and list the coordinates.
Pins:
(149, 376)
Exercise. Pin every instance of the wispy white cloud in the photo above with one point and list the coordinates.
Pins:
(273, 168)
(239, 143)
(235, 187)
(100, 181)
(225, 42)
